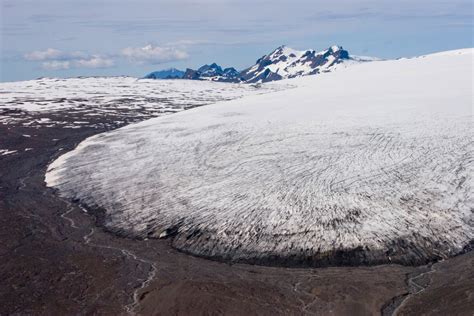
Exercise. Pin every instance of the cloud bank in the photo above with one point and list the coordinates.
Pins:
(92, 62)
(48, 54)
(55, 59)
(154, 54)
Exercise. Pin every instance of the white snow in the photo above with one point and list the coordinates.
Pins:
(291, 63)
(112, 93)
(96, 101)
(377, 156)
(4, 152)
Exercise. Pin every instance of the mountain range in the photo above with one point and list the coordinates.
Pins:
(171, 73)
(281, 63)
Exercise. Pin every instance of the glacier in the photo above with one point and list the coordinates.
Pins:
(370, 164)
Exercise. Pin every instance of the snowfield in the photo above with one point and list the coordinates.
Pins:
(125, 98)
(370, 164)
(108, 93)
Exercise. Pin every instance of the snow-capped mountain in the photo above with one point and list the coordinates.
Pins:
(213, 72)
(285, 62)
(282, 63)
(171, 73)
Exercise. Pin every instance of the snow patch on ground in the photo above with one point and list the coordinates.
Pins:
(124, 97)
(48, 94)
(4, 152)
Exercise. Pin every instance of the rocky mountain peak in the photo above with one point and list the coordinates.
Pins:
(285, 62)
(281, 63)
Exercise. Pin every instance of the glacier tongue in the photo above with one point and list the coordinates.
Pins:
(370, 164)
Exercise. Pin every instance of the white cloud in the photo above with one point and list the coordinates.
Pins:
(55, 59)
(91, 62)
(56, 65)
(154, 54)
(53, 54)
(95, 61)
(48, 54)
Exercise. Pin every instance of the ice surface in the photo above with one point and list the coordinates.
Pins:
(375, 161)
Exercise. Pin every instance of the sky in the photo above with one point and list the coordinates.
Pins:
(67, 38)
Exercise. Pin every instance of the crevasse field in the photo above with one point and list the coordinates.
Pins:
(369, 164)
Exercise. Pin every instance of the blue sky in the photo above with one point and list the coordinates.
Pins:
(63, 38)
